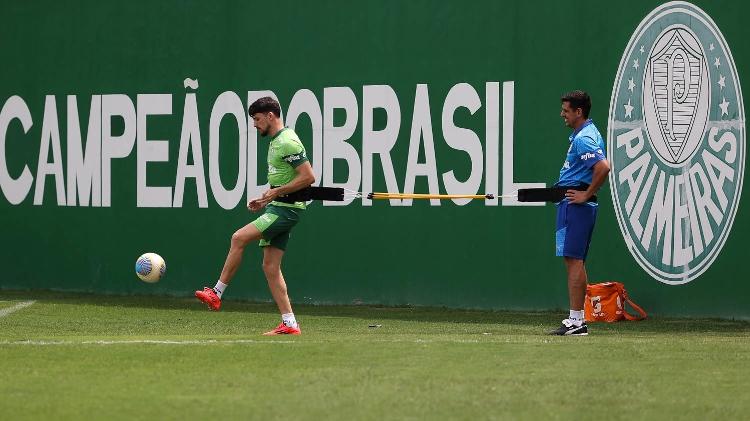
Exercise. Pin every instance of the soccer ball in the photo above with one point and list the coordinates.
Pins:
(150, 267)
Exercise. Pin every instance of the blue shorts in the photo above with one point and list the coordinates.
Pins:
(575, 225)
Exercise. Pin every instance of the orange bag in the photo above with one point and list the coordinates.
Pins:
(605, 302)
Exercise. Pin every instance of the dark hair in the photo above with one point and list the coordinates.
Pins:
(265, 105)
(578, 99)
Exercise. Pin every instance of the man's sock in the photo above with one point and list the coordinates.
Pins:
(289, 320)
(219, 288)
(576, 316)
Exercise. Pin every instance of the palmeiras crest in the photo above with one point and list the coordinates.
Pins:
(676, 143)
(675, 89)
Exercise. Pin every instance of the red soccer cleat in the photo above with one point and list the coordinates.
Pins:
(209, 297)
(283, 329)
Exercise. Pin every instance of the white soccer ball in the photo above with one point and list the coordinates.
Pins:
(150, 267)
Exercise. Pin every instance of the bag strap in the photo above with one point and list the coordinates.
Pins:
(641, 313)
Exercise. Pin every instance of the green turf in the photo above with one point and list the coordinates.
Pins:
(76, 356)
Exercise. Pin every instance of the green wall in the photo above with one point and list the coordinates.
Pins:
(478, 255)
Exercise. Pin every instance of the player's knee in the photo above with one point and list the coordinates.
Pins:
(238, 240)
(574, 262)
(271, 268)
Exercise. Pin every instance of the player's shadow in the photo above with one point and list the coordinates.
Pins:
(165, 302)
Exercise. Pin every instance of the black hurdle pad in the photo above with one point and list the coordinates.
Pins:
(548, 194)
(335, 194)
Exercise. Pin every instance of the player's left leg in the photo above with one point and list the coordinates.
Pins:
(577, 280)
(575, 226)
(575, 324)
(272, 257)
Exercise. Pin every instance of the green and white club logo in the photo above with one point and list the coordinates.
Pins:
(676, 143)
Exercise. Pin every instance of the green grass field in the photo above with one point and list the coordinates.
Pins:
(77, 356)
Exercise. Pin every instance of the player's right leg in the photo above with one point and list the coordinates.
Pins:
(240, 239)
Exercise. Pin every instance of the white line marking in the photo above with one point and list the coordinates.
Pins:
(147, 341)
(186, 342)
(227, 342)
(6, 311)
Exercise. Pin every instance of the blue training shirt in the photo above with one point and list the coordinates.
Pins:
(586, 149)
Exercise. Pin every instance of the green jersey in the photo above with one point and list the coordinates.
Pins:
(285, 153)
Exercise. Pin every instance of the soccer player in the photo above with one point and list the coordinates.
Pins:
(288, 171)
(585, 169)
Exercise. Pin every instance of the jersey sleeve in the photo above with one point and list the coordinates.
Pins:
(293, 153)
(589, 151)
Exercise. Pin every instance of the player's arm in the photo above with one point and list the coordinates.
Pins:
(601, 170)
(592, 156)
(304, 178)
